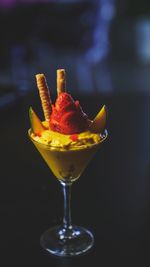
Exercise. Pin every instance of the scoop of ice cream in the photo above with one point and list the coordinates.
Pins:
(67, 116)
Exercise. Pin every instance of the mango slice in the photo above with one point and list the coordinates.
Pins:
(36, 124)
(99, 123)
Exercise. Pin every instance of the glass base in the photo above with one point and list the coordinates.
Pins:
(64, 242)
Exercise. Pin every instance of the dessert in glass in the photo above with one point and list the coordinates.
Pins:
(67, 140)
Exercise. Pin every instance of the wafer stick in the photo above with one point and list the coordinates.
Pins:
(44, 95)
(61, 81)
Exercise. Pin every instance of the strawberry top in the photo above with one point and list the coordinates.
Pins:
(67, 116)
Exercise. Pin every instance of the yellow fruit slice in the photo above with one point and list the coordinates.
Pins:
(99, 123)
(36, 125)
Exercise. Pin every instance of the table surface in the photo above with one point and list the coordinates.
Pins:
(112, 197)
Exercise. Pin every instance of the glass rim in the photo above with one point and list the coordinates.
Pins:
(104, 135)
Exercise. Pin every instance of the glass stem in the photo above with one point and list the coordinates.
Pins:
(67, 204)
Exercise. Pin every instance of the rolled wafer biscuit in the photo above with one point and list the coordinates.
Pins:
(44, 95)
(61, 81)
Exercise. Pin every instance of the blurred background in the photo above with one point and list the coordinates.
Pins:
(104, 45)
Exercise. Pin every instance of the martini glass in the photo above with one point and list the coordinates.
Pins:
(67, 166)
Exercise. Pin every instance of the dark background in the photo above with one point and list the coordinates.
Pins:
(105, 48)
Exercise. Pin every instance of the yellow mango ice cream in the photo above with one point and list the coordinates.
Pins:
(66, 141)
